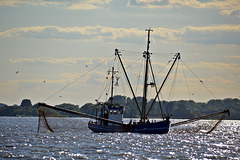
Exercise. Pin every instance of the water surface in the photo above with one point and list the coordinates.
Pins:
(73, 140)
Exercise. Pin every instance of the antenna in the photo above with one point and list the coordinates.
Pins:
(148, 42)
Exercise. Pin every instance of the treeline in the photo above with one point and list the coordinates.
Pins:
(176, 109)
(32, 111)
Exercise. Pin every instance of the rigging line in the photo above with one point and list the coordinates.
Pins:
(163, 67)
(106, 82)
(191, 106)
(108, 88)
(121, 74)
(112, 75)
(124, 90)
(132, 53)
(177, 56)
(191, 70)
(137, 52)
(157, 53)
(113, 62)
(161, 56)
(164, 105)
(135, 99)
(186, 81)
(139, 76)
(77, 79)
(103, 89)
(155, 86)
(203, 84)
(129, 66)
(171, 94)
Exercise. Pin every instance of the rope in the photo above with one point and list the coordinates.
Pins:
(129, 65)
(186, 82)
(171, 94)
(204, 84)
(220, 120)
(103, 89)
(225, 112)
(139, 80)
(76, 79)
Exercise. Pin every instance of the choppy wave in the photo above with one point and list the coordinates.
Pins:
(73, 140)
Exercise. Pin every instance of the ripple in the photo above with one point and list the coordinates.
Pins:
(20, 140)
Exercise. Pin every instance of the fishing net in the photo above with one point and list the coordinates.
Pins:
(52, 120)
(43, 125)
(204, 124)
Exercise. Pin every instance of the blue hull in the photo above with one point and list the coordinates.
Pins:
(161, 127)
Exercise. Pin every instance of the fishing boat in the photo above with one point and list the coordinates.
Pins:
(109, 115)
(114, 112)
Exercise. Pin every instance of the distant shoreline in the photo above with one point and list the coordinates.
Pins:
(182, 109)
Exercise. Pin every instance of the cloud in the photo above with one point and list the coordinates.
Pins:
(221, 66)
(220, 34)
(217, 66)
(226, 7)
(69, 4)
(233, 56)
(96, 33)
(16, 3)
(63, 61)
(89, 4)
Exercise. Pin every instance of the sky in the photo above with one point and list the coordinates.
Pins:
(45, 45)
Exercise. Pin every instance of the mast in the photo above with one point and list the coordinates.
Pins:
(113, 72)
(146, 55)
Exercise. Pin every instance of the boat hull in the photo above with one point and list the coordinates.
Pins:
(161, 127)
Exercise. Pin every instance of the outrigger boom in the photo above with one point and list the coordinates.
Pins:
(223, 113)
(79, 113)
